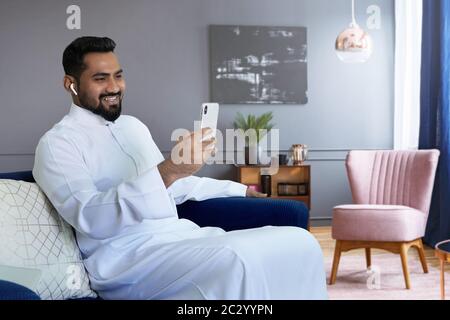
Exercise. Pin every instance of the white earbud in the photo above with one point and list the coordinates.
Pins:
(73, 89)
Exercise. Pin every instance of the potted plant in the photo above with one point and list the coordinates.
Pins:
(252, 148)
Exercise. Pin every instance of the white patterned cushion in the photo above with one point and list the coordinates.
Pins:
(32, 234)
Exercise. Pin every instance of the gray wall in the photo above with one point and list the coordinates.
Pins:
(163, 48)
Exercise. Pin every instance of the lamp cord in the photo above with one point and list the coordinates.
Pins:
(353, 14)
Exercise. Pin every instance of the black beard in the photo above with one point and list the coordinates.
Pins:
(110, 114)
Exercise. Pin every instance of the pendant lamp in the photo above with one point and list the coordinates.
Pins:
(354, 45)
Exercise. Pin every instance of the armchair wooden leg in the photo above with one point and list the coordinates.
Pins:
(404, 257)
(421, 252)
(368, 258)
(337, 257)
(442, 279)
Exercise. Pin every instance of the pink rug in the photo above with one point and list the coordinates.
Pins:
(386, 281)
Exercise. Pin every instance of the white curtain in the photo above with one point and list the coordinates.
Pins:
(408, 42)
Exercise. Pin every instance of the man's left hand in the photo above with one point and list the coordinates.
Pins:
(255, 194)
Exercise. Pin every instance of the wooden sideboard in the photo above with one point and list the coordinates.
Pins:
(251, 175)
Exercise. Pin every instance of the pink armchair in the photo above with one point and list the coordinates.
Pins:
(391, 194)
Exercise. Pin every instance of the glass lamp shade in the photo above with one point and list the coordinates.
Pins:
(354, 45)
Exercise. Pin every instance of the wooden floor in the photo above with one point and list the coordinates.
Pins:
(323, 235)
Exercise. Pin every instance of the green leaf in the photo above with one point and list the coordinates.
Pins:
(253, 122)
(240, 122)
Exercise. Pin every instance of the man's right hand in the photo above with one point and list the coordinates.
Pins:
(199, 151)
(192, 153)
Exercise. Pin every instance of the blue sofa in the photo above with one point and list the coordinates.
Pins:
(226, 213)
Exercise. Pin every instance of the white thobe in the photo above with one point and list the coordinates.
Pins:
(102, 177)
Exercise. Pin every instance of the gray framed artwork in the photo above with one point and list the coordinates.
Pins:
(258, 64)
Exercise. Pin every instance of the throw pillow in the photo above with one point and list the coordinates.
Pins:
(32, 234)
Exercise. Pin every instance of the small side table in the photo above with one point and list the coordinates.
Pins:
(443, 253)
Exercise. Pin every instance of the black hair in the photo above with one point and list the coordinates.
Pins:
(73, 56)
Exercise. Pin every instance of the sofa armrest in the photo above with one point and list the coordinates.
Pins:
(245, 213)
(14, 291)
(19, 175)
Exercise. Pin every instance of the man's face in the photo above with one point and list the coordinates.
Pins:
(102, 86)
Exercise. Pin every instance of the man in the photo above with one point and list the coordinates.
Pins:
(106, 177)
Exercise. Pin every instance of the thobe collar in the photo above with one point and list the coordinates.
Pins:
(87, 117)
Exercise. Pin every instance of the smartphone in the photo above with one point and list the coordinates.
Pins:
(210, 115)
